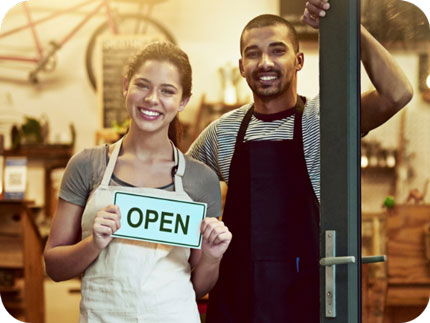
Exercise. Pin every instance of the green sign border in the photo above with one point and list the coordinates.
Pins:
(158, 198)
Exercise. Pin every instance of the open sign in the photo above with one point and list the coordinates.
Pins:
(160, 220)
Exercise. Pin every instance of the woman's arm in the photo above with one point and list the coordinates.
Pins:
(205, 262)
(66, 255)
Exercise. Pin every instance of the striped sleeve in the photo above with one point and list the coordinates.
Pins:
(311, 142)
(205, 147)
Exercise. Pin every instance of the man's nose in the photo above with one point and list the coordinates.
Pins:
(266, 61)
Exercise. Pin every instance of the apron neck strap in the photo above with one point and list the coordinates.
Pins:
(243, 127)
(111, 164)
(299, 107)
(178, 158)
(180, 168)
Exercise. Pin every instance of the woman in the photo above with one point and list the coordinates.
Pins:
(136, 281)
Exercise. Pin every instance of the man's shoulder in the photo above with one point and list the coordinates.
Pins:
(227, 123)
(234, 116)
(312, 109)
(312, 104)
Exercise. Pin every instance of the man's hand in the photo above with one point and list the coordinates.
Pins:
(314, 10)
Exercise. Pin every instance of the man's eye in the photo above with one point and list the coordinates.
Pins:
(279, 51)
(251, 54)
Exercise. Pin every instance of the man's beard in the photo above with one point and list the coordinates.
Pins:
(270, 91)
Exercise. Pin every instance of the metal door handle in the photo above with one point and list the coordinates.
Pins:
(330, 261)
(373, 259)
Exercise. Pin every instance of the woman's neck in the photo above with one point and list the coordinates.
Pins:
(147, 146)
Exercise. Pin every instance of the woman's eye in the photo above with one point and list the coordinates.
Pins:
(168, 91)
(142, 85)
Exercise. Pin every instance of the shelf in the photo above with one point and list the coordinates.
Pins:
(11, 255)
(378, 171)
(21, 262)
(12, 289)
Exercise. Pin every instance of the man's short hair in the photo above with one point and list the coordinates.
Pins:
(271, 20)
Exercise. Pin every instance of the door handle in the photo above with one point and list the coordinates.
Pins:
(373, 259)
(330, 261)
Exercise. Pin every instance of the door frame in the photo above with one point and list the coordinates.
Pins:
(340, 153)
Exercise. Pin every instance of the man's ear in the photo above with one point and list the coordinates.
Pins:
(242, 72)
(300, 60)
(183, 103)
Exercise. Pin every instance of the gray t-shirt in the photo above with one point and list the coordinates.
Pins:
(84, 173)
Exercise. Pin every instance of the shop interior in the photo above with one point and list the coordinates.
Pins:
(61, 93)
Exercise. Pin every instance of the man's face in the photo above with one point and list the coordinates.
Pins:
(269, 62)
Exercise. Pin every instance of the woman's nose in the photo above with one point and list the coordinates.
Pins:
(152, 97)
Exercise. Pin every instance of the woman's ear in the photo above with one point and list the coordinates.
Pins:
(125, 83)
(183, 103)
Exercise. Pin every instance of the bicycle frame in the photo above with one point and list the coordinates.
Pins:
(43, 57)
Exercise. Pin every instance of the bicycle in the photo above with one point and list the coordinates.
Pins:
(116, 23)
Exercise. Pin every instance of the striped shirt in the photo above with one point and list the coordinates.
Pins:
(215, 145)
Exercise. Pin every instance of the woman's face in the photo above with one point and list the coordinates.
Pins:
(154, 95)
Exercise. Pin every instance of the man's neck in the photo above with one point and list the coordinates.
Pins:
(275, 104)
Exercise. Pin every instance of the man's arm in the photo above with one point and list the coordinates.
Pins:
(392, 89)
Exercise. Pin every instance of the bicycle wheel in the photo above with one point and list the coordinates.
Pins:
(128, 24)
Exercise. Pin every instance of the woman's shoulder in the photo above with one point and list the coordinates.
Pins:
(199, 171)
(89, 155)
(88, 161)
(202, 185)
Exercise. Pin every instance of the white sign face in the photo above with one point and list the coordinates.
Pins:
(160, 220)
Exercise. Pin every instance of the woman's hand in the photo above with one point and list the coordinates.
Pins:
(106, 222)
(216, 238)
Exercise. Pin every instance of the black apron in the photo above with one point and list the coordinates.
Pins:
(270, 272)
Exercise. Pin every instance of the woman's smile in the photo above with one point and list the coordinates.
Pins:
(149, 114)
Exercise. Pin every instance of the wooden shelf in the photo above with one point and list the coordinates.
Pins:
(399, 292)
(12, 289)
(21, 259)
(52, 157)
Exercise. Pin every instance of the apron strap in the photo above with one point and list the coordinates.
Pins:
(180, 169)
(243, 126)
(178, 158)
(299, 107)
(111, 164)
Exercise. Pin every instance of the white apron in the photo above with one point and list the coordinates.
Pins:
(136, 281)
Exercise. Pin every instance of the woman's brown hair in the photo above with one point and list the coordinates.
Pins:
(166, 52)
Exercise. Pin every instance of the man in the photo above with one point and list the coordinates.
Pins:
(268, 153)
